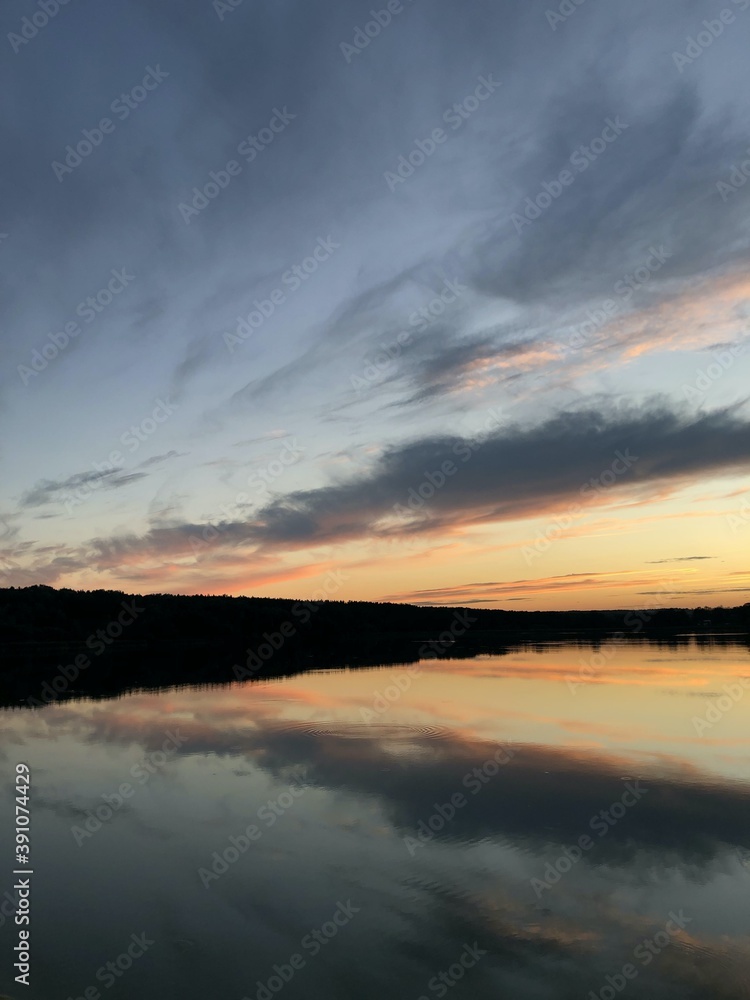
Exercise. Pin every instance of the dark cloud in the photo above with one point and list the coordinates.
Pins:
(704, 592)
(657, 562)
(56, 491)
(160, 459)
(516, 471)
(577, 459)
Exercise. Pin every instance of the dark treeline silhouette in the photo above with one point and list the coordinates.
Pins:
(103, 642)
(44, 614)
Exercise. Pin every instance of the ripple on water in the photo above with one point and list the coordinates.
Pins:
(392, 733)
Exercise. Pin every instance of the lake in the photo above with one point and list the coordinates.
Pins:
(563, 821)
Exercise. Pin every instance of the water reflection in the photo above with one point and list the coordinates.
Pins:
(557, 808)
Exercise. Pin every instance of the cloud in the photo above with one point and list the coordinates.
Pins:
(489, 593)
(705, 592)
(53, 491)
(513, 473)
(658, 562)
(160, 459)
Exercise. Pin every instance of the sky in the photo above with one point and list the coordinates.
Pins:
(435, 303)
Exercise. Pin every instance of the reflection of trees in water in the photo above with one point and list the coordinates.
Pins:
(201, 639)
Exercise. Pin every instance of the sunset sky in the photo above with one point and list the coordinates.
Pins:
(446, 303)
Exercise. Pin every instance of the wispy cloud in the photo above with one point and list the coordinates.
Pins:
(677, 559)
(48, 491)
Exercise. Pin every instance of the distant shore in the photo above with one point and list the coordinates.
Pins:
(59, 644)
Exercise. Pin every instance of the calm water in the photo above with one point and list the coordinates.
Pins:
(531, 826)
